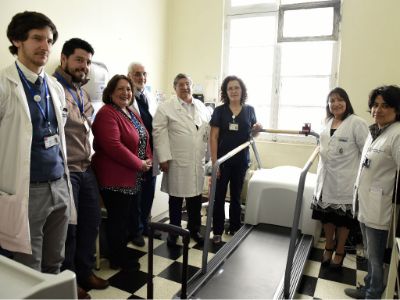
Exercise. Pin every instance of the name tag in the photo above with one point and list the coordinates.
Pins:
(343, 139)
(51, 140)
(233, 126)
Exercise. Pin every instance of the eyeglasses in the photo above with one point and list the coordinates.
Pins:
(140, 74)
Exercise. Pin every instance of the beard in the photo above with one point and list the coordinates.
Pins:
(78, 75)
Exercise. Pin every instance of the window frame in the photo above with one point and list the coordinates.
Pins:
(335, 4)
(278, 10)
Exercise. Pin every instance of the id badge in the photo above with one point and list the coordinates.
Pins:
(51, 140)
(233, 126)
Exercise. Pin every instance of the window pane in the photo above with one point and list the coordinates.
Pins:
(293, 118)
(251, 61)
(304, 91)
(306, 58)
(235, 3)
(243, 31)
(259, 96)
(308, 22)
(284, 2)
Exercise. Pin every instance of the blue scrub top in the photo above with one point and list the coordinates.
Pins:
(230, 139)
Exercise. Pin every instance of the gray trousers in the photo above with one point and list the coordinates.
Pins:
(48, 222)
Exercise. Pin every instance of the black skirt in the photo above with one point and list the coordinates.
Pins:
(337, 217)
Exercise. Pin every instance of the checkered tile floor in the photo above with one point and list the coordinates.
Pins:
(317, 282)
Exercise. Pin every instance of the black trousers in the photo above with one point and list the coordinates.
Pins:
(234, 175)
(120, 209)
(193, 205)
(146, 201)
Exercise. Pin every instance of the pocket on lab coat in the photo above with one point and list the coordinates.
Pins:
(375, 205)
(12, 216)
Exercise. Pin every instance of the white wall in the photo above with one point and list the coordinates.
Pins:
(195, 40)
(370, 48)
(120, 31)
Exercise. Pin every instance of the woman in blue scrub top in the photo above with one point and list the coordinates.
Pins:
(232, 124)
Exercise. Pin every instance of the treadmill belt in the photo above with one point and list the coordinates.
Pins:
(254, 270)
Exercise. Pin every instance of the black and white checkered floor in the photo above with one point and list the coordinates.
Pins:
(317, 282)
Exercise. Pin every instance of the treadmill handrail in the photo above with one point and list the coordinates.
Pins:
(296, 220)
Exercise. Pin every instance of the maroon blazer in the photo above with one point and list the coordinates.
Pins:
(116, 140)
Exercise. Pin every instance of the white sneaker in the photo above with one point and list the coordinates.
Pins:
(217, 239)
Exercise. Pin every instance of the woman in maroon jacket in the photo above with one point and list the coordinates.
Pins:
(122, 154)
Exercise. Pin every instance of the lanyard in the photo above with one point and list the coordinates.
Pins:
(135, 122)
(67, 86)
(33, 94)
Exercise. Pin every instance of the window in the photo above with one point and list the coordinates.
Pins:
(285, 51)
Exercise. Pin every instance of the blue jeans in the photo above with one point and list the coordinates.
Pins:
(374, 246)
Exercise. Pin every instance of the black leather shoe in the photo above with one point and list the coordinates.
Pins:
(138, 241)
(131, 266)
(94, 282)
(171, 240)
(197, 237)
(156, 234)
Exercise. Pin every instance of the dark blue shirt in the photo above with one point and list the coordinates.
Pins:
(230, 139)
(46, 164)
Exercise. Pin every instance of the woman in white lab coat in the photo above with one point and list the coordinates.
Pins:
(342, 141)
(375, 185)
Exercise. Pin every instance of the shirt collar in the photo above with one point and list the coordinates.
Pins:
(30, 76)
(376, 131)
(185, 103)
(138, 93)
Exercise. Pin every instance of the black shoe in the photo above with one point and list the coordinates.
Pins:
(131, 266)
(327, 257)
(138, 241)
(156, 234)
(197, 237)
(339, 265)
(172, 240)
(357, 293)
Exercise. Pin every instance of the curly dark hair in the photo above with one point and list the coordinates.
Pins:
(111, 86)
(23, 22)
(343, 95)
(390, 94)
(224, 89)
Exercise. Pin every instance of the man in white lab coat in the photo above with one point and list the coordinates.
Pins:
(180, 133)
(35, 191)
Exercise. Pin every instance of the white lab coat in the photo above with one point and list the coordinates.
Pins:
(177, 140)
(339, 159)
(15, 155)
(375, 184)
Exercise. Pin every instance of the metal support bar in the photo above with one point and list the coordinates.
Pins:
(296, 219)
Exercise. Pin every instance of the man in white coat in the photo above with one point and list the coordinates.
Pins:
(180, 133)
(35, 192)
